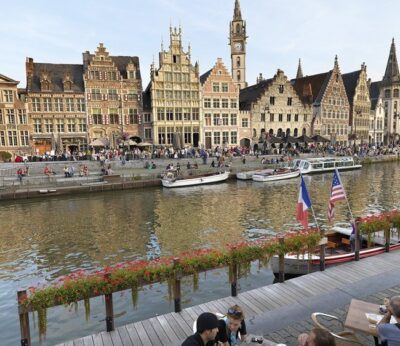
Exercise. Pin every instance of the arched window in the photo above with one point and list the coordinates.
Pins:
(295, 133)
(238, 61)
(304, 132)
(287, 132)
(396, 93)
(238, 76)
(238, 28)
(271, 132)
(279, 132)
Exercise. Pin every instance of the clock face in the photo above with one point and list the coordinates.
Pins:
(238, 46)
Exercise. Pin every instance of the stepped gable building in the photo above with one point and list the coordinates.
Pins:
(220, 107)
(326, 94)
(14, 128)
(357, 89)
(237, 41)
(276, 109)
(56, 105)
(377, 114)
(113, 88)
(390, 87)
(175, 96)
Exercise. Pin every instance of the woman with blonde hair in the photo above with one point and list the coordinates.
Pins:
(231, 326)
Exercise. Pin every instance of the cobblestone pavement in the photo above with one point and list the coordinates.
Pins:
(288, 335)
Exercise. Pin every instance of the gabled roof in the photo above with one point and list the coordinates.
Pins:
(374, 90)
(6, 79)
(311, 88)
(252, 93)
(350, 83)
(392, 74)
(121, 62)
(204, 76)
(56, 73)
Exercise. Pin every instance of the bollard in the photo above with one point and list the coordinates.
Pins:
(177, 287)
(234, 279)
(109, 309)
(356, 242)
(281, 277)
(24, 320)
(387, 240)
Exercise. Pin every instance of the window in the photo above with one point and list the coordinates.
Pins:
(133, 116)
(96, 95)
(305, 117)
(207, 103)
(168, 76)
(289, 101)
(245, 122)
(177, 77)
(170, 114)
(233, 120)
(225, 137)
(396, 93)
(387, 93)
(147, 133)
(262, 116)
(216, 103)
(225, 119)
(178, 114)
(112, 95)
(288, 117)
(97, 116)
(82, 125)
(280, 117)
(132, 74)
(60, 125)
(80, 106)
(71, 125)
(215, 87)
(2, 138)
(216, 120)
(1, 116)
(207, 119)
(233, 137)
(187, 135)
(225, 88)
(113, 116)
(271, 117)
(176, 59)
(161, 135)
(48, 125)
(186, 95)
(8, 96)
(238, 75)
(281, 89)
(37, 126)
(160, 114)
(95, 75)
(10, 116)
(112, 75)
(195, 95)
(296, 117)
(147, 118)
(195, 114)
(35, 104)
(272, 100)
(238, 61)
(186, 114)
(178, 95)
(58, 104)
(47, 104)
(217, 138)
(12, 138)
(70, 104)
(225, 103)
(233, 103)
(132, 96)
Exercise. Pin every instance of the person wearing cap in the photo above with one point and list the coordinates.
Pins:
(230, 326)
(206, 330)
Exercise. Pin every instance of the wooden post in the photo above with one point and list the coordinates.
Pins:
(109, 309)
(322, 252)
(281, 277)
(234, 279)
(387, 240)
(24, 320)
(177, 287)
(356, 242)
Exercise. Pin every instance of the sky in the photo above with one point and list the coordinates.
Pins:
(279, 33)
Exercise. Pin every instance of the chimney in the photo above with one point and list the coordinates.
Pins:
(86, 60)
(29, 73)
(259, 78)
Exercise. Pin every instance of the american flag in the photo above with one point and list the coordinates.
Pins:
(337, 194)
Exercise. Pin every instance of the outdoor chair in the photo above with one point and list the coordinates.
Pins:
(342, 337)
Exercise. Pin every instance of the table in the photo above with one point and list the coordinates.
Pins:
(265, 341)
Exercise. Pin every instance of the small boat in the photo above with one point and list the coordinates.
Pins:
(325, 164)
(249, 174)
(338, 250)
(278, 174)
(173, 179)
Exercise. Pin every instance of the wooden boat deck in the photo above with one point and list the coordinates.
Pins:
(172, 328)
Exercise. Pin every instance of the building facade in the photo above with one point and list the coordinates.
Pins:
(377, 114)
(14, 128)
(237, 41)
(220, 108)
(175, 97)
(357, 89)
(113, 89)
(56, 107)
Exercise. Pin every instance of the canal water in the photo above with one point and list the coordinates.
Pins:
(43, 239)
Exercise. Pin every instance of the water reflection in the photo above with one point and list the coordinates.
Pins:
(43, 239)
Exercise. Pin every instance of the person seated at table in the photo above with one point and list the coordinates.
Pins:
(230, 326)
(317, 337)
(195, 165)
(206, 330)
(388, 332)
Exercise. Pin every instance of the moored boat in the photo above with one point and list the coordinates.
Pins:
(325, 164)
(173, 179)
(249, 174)
(278, 174)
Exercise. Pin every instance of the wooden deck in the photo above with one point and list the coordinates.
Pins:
(172, 328)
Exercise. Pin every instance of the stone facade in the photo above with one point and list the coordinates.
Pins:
(175, 97)
(376, 114)
(56, 107)
(113, 89)
(275, 108)
(220, 108)
(14, 128)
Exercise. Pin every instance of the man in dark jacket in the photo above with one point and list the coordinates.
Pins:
(207, 328)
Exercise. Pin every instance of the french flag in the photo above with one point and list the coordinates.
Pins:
(303, 204)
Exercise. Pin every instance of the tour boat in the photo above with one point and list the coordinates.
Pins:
(324, 164)
(277, 174)
(337, 250)
(249, 174)
(173, 179)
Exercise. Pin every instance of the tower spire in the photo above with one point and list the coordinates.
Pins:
(299, 71)
(237, 14)
(392, 67)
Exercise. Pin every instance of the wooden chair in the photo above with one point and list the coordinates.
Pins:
(346, 242)
(331, 245)
(343, 337)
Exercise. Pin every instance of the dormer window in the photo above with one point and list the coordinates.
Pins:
(132, 74)
(44, 83)
(67, 86)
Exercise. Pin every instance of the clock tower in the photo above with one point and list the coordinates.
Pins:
(237, 41)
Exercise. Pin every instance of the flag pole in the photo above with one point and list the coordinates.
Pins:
(345, 196)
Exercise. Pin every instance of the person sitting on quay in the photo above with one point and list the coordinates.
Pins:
(48, 171)
(20, 174)
(389, 332)
(66, 172)
(317, 337)
(178, 168)
(81, 170)
(195, 165)
(147, 165)
(188, 165)
(153, 165)
(71, 171)
(206, 330)
(212, 164)
(85, 170)
(230, 327)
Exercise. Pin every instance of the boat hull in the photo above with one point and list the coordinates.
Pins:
(202, 180)
(249, 174)
(275, 177)
(324, 170)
